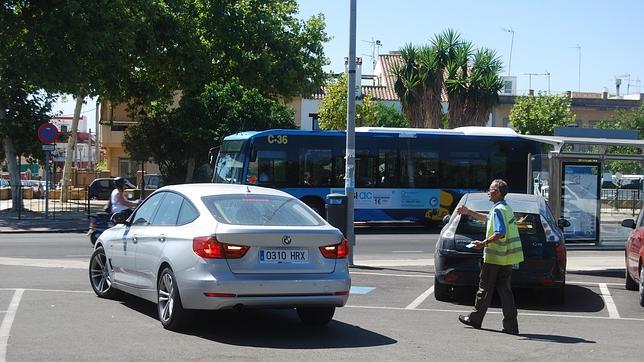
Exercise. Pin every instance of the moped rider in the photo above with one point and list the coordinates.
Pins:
(118, 200)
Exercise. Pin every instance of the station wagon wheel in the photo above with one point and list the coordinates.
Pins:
(171, 313)
(99, 276)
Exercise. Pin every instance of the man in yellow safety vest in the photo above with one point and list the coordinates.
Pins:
(502, 250)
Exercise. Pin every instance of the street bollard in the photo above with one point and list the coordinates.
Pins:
(336, 211)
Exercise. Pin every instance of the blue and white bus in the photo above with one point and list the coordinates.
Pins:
(401, 174)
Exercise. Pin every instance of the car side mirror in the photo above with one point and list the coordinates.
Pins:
(563, 223)
(119, 218)
(628, 223)
(446, 219)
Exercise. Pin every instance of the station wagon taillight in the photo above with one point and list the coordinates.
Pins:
(209, 248)
(336, 251)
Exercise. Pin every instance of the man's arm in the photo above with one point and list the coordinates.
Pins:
(463, 210)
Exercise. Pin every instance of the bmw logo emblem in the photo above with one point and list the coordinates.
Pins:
(286, 240)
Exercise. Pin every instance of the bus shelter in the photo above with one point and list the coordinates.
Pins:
(571, 176)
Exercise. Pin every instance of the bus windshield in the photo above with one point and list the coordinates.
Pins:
(230, 163)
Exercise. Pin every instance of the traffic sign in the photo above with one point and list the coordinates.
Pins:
(47, 133)
(48, 147)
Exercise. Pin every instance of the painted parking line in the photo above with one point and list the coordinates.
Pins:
(361, 290)
(44, 263)
(421, 298)
(454, 311)
(608, 301)
(7, 321)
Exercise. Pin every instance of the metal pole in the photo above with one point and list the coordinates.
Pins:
(511, 45)
(46, 184)
(349, 181)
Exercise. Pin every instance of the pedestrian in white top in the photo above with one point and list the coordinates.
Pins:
(117, 198)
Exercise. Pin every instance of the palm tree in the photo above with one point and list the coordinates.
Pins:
(408, 85)
(485, 85)
(469, 77)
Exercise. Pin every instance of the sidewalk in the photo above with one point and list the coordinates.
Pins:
(35, 222)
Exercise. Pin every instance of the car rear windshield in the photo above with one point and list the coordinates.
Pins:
(528, 224)
(261, 210)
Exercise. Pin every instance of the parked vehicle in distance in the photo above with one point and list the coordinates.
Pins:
(152, 181)
(544, 247)
(216, 246)
(634, 255)
(101, 188)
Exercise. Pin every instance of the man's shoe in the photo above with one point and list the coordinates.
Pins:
(467, 321)
(513, 332)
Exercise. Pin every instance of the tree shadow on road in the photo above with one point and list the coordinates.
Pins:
(268, 328)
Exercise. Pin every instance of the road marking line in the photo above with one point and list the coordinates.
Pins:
(361, 290)
(494, 312)
(45, 263)
(49, 290)
(592, 283)
(407, 251)
(608, 301)
(7, 321)
(421, 298)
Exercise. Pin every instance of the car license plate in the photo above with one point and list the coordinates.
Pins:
(290, 256)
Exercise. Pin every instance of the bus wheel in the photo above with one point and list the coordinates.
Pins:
(316, 204)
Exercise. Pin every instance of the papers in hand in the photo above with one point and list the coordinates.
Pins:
(470, 245)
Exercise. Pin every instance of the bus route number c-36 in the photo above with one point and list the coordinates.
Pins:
(278, 139)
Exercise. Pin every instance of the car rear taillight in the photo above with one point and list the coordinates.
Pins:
(561, 254)
(336, 251)
(209, 248)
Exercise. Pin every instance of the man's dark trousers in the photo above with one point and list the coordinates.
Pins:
(495, 276)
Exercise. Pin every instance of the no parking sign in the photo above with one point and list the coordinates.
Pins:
(47, 133)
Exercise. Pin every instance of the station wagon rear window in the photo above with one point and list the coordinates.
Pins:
(267, 210)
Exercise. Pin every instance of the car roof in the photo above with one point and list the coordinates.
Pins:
(534, 204)
(198, 190)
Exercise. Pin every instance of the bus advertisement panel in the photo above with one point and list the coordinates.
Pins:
(414, 175)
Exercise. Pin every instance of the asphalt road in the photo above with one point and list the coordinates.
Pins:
(49, 312)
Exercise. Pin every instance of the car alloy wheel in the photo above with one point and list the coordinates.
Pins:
(99, 275)
(169, 305)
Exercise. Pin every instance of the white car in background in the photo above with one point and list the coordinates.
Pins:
(218, 246)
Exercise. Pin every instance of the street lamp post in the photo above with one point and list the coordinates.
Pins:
(349, 181)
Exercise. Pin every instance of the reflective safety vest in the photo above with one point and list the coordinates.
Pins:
(507, 250)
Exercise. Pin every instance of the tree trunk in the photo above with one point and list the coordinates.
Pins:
(14, 172)
(190, 169)
(71, 146)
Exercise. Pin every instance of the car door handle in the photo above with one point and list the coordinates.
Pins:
(162, 238)
(135, 239)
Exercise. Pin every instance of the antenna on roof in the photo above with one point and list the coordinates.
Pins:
(375, 52)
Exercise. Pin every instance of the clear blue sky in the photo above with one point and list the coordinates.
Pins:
(546, 32)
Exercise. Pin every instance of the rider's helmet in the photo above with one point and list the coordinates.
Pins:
(119, 182)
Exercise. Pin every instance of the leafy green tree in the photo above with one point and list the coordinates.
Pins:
(541, 114)
(66, 46)
(333, 110)
(21, 113)
(627, 120)
(177, 139)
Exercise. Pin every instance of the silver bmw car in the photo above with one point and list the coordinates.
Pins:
(218, 246)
